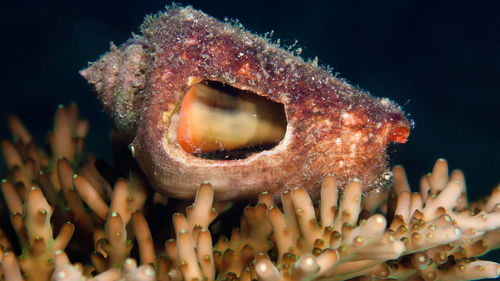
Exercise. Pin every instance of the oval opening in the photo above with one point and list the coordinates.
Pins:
(221, 122)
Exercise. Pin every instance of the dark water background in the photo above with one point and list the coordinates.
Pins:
(440, 59)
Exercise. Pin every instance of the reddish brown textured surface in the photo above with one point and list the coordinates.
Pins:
(333, 127)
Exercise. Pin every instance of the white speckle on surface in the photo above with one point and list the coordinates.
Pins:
(385, 101)
(132, 150)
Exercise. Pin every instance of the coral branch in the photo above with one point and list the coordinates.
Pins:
(432, 234)
(144, 239)
(10, 267)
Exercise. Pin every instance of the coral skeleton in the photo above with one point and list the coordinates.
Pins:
(71, 220)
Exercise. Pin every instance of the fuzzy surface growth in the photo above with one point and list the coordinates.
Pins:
(332, 128)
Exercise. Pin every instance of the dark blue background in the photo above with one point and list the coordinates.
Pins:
(440, 59)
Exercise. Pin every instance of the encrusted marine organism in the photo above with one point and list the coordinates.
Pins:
(200, 99)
